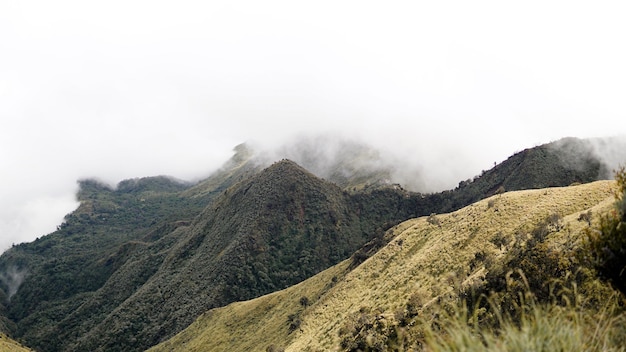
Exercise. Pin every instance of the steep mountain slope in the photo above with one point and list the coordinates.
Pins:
(428, 261)
(238, 168)
(61, 271)
(267, 232)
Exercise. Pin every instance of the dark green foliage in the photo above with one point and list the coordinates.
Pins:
(364, 331)
(64, 269)
(371, 330)
(160, 184)
(607, 245)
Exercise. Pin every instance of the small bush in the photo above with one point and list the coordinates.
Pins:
(274, 348)
(294, 322)
(433, 220)
(500, 240)
(585, 217)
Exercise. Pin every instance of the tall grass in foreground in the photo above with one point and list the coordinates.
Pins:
(541, 327)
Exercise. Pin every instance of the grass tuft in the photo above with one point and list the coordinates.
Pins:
(543, 327)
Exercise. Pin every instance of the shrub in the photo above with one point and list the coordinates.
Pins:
(294, 322)
(433, 220)
(371, 330)
(500, 240)
(585, 217)
(274, 348)
(607, 245)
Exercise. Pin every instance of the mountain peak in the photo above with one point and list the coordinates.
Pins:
(288, 167)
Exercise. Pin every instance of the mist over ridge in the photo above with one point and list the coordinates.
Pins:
(339, 156)
(335, 156)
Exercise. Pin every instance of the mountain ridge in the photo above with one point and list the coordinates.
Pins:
(417, 262)
(100, 280)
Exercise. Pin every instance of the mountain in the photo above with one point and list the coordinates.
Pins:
(266, 233)
(561, 163)
(425, 269)
(122, 280)
(135, 264)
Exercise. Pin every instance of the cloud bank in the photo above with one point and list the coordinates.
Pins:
(116, 90)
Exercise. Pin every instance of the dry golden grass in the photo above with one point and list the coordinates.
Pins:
(426, 258)
(8, 345)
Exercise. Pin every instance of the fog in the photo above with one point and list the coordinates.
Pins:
(11, 279)
(116, 90)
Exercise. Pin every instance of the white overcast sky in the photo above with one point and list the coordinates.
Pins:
(121, 89)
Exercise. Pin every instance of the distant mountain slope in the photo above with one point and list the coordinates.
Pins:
(68, 266)
(426, 258)
(555, 164)
(238, 168)
(135, 264)
(268, 232)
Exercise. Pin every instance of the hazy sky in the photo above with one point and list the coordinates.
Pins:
(121, 89)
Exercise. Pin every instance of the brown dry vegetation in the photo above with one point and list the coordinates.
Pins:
(421, 270)
(8, 345)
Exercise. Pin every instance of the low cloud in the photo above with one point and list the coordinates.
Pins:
(11, 280)
(35, 216)
(610, 151)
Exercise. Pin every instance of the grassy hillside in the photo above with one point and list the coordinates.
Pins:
(430, 261)
(8, 345)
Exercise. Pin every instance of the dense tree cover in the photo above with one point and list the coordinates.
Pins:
(63, 270)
